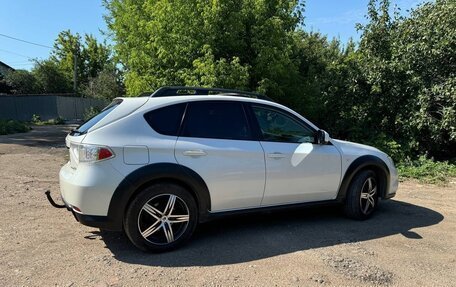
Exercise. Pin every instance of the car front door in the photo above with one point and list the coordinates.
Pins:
(216, 142)
(297, 169)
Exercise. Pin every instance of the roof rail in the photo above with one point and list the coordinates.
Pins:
(197, 91)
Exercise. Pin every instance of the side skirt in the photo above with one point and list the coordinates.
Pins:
(217, 215)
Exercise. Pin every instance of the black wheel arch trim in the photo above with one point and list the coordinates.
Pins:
(359, 164)
(145, 175)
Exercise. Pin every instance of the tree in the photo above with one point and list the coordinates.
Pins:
(91, 56)
(233, 44)
(105, 85)
(408, 67)
(51, 78)
(22, 82)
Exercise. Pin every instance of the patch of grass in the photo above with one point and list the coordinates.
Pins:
(36, 120)
(11, 127)
(428, 171)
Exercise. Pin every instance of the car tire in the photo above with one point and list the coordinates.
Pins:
(362, 195)
(161, 217)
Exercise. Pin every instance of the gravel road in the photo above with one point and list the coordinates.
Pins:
(411, 240)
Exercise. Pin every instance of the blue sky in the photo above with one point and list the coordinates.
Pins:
(41, 21)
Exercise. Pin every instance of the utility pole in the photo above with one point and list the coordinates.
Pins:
(75, 73)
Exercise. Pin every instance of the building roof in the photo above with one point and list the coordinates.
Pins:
(4, 68)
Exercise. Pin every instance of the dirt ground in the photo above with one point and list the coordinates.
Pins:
(411, 240)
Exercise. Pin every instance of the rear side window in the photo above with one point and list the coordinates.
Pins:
(219, 120)
(82, 129)
(166, 121)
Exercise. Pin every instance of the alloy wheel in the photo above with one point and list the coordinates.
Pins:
(368, 196)
(163, 219)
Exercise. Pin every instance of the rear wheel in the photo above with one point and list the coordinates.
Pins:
(162, 217)
(362, 195)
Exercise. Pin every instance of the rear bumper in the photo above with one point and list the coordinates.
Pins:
(102, 222)
(87, 192)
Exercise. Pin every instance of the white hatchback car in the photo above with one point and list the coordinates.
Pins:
(156, 166)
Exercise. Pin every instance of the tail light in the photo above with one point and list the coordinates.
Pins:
(92, 153)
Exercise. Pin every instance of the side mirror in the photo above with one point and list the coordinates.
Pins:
(322, 137)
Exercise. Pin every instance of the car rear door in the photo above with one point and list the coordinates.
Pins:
(216, 141)
(297, 169)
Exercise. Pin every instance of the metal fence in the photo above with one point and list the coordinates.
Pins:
(23, 107)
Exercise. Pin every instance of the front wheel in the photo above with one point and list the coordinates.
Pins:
(161, 218)
(362, 196)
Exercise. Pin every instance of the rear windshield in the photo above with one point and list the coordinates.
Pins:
(82, 129)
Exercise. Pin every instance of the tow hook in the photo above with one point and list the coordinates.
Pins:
(53, 203)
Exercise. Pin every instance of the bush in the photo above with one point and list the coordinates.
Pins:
(428, 171)
(36, 120)
(12, 126)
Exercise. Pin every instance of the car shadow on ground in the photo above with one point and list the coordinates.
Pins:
(252, 237)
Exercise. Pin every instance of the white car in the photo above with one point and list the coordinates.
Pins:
(156, 166)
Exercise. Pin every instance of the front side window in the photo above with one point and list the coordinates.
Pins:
(279, 127)
(216, 119)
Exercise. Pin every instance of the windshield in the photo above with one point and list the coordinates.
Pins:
(82, 129)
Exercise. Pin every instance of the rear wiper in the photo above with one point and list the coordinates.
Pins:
(75, 132)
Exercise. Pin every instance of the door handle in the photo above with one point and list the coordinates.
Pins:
(196, 152)
(276, 155)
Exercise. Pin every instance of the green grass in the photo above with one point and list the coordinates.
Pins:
(428, 171)
(12, 127)
(36, 120)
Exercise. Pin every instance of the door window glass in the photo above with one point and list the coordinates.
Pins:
(216, 119)
(279, 127)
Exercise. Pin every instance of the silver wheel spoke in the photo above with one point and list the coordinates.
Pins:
(152, 229)
(168, 232)
(170, 205)
(373, 191)
(366, 207)
(178, 218)
(364, 195)
(369, 182)
(371, 201)
(157, 214)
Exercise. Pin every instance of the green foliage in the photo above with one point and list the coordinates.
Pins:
(97, 74)
(91, 56)
(51, 78)
(397, 91)
(408, 71)
(12, 126)
(232, 44)
(428, 171)
(106, 85)
(22, 82)
(36, 120)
